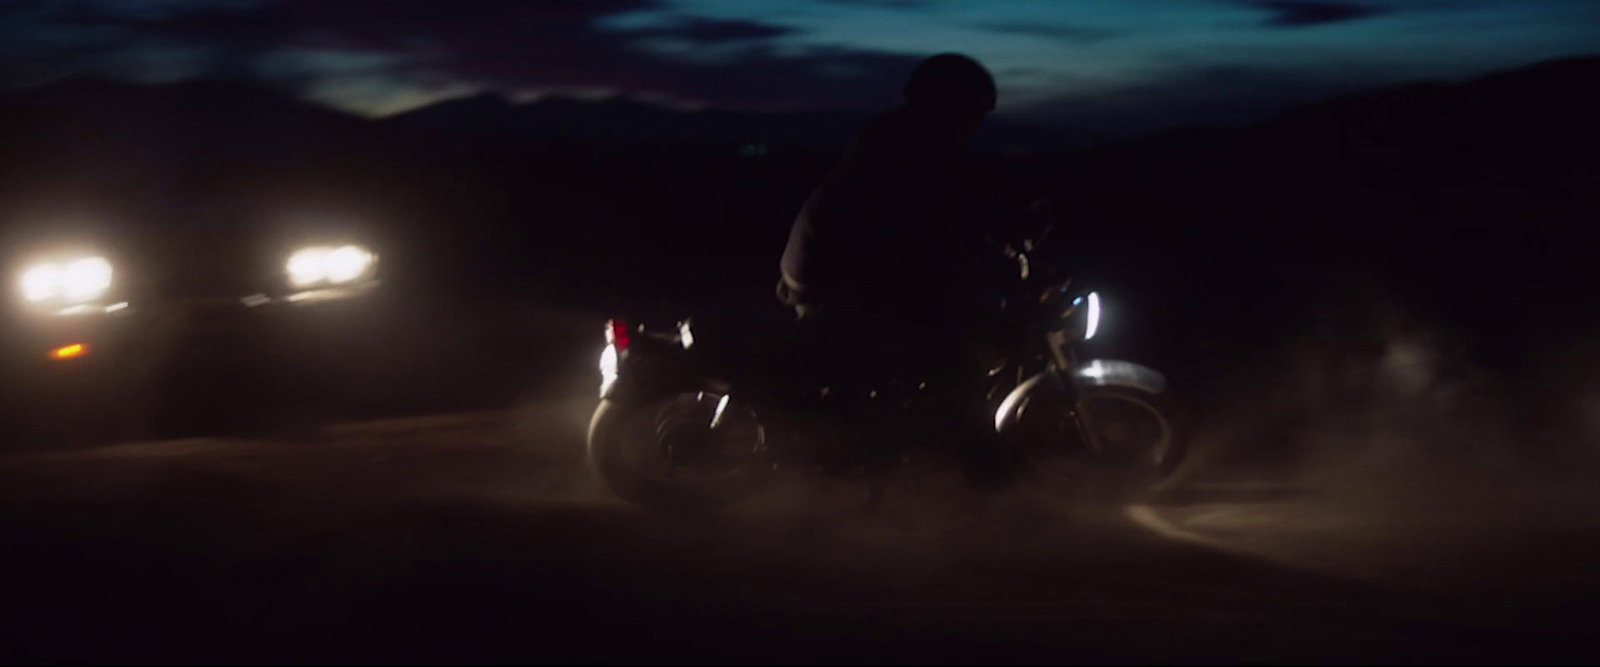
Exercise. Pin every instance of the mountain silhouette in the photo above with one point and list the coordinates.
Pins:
(623, 119)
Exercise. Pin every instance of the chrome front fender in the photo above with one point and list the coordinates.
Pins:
(1114, 373)
(1094, 373)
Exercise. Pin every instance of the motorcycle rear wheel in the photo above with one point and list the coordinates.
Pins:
(678, 452)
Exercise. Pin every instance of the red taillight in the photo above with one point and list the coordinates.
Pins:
(617, 334)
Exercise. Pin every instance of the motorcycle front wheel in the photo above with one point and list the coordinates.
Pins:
(684, 451)
(1113, 444)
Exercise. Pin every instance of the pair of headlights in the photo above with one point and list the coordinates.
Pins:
(78, 281)
(86, 279)
(321, 265)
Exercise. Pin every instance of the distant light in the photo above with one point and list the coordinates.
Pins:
(255, 300)
(308, 267)
(79, 281)
(86, 279)
(347, 263)
(72, 351)
(41, 282)
(80, 309)
(116, 307)
(321, 264)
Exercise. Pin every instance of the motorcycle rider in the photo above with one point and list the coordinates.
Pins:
(876, 261)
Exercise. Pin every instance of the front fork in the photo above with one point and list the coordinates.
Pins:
(1065, 375)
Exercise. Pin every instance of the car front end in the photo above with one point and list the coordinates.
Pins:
(145, 325)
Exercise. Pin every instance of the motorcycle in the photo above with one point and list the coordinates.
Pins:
(695, 416)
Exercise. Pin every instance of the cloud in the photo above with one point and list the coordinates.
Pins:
(886, 4)
(713, 31)
(1075, 34)
(1214, 96)
(365, 45)
(1297, 14)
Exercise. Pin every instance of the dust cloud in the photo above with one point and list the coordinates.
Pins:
(1374, 402)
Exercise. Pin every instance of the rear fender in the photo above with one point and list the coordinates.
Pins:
(652, 367)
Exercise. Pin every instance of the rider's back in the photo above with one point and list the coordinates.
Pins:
(876, 232)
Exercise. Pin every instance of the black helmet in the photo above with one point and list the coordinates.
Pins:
(953, 81)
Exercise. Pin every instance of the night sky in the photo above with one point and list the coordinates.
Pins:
(1106, 65)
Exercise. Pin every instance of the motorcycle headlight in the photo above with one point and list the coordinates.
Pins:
(1093, 324)
(309, 267)
(78, 281)
(1091, 313)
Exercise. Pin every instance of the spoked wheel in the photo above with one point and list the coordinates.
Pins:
(1113, 443)
(686, 450)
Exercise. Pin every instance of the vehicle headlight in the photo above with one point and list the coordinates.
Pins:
(78, 281)
(334, 265)
(1093, 324)
(1091, 314)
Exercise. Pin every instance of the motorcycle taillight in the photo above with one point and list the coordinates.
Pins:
(617, 334)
